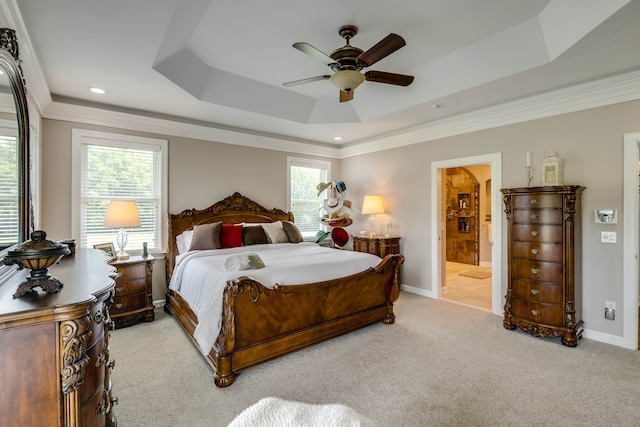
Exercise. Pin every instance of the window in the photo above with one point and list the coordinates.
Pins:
(304, 175)
(118, 167)
(9, 197)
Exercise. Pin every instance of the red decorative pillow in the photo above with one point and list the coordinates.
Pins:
(231, 235)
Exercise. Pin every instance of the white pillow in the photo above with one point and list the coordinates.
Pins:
(184, 241)
(275, 232)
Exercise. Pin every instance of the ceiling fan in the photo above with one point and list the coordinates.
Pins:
(346, 63)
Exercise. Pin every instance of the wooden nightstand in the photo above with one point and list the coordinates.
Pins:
(381, 245)
(133, 300)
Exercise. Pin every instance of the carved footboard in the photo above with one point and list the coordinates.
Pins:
(260, 324)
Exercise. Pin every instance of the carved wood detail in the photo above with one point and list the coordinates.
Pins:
(74, 335)
(262, 323)
(235, 202)
(9, 42)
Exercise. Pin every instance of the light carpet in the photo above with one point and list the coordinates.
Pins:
(440, 364)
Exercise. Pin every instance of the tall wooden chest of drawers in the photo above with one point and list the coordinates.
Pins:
(544, 261)
(54, 348)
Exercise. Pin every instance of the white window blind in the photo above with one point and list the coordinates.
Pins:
(304, 203)
(111, 169)
(9, 227)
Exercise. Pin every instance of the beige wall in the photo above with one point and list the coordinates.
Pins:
(590, 142)
(200, 173)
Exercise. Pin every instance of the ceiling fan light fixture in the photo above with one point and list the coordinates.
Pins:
(347, 80)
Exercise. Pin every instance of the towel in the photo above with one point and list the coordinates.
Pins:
(243, 261)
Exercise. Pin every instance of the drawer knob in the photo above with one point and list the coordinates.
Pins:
(120, 289)
(534, 251)
(535, 270)
(535, 312)
(535, 291)
(119, 305)
(534, 216)
(534, 201)
(534, 233)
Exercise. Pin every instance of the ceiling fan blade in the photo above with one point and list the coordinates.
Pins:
(346, 96)
(389, 78)
(307, 80)
(384, 47)
(313, 52)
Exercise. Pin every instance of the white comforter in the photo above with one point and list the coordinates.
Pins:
(200, 277)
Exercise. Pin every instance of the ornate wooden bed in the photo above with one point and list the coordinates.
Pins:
(253, 328)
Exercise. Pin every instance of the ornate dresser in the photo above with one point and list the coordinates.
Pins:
(544, 261)
(54, 348)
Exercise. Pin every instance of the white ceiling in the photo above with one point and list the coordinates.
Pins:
(224, 62)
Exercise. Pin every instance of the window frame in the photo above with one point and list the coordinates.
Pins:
(311, 163)
(83, 136)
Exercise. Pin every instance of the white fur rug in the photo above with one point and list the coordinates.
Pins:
(271, 412)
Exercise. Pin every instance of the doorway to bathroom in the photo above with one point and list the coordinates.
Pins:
(466, 212)
(467, 197)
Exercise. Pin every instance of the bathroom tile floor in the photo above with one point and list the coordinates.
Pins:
(467, 290)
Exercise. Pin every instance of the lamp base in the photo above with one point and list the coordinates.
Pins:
(122, 256)
(121, 241)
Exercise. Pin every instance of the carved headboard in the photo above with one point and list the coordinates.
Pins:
(230, 210)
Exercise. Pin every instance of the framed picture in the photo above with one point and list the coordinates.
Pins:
(108, 248)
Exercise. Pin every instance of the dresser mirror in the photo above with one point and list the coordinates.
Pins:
(15, 203)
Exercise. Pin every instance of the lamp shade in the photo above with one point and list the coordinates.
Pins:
(347, 80)
(122, 214)
(372, 205)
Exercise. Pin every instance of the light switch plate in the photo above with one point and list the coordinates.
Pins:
(608, 236)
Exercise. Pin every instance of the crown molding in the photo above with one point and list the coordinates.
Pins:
(613, 90)
(600, 93)
(36, 84)
(96, 116)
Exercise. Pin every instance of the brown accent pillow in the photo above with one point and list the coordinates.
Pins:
(206, 236)
(293, 233)
(253, 235)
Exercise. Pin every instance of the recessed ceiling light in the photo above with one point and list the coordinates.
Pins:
(337, 138)
(97, 90)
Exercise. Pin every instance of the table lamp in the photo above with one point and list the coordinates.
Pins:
(371, 206)
(122, 214)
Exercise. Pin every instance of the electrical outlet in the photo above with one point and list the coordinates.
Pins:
(609, 313)
(610, 310)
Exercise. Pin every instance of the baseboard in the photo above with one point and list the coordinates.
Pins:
(159, 303)
(606, 338)
(417, 291)
(589, 334)
(485, 263)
